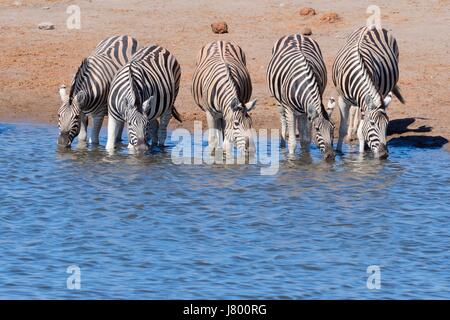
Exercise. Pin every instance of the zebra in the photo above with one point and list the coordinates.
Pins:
(364, 72)
(89, 91)
(142, 91)
(222, 88)
(297, 78)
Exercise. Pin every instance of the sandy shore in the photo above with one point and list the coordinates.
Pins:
(35, 62)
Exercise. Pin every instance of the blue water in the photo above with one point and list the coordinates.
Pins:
(141, 227)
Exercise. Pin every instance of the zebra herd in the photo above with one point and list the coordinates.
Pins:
(139, 88)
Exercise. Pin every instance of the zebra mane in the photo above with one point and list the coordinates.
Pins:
(77, 78)
(361, 37)
(365, 30)
(134, 91)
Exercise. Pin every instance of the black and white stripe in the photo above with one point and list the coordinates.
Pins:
(222, 88)
(88, 94)
(142, 91)
(365, 71)
(297, 77)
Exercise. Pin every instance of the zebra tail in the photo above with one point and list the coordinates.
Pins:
(397, 93)
(176, 114)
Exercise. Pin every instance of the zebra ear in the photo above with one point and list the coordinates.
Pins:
(148, 105)
(63, 93)
(369, 102)
(251, 105)
(387, 100)
(331, 106)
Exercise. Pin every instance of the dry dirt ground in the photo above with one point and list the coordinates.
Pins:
(35, 62)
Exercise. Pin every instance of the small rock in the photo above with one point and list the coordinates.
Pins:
(306, 31)
(45, 8)
(46, 26)
(307, 11)
(219, 27)
(330, 17)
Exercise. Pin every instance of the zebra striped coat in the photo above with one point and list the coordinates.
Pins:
(88, 94)
(222, 88)
(142, 91)
(364, 72)
(297, 77)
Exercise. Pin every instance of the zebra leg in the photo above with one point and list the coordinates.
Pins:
(292, 139)
(98, 122)
(356, 122)
(362, 143)
(212, 132)
(82, 136)
(220, 126)
(344, 109)
(153, 126)
(119, 132)
(351, 120)
(163, 124)
(304, 127)
(353, 123)
(283, 132)
(113, 130)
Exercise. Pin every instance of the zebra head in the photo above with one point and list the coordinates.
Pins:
(323, 130)
(69, 116)
(137, 123)
(374, 127)
(330, 107)
(242, 126)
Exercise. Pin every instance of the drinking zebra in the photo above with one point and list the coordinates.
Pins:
(364, 72)
(142, 91)
(297, 78)
(88, 94)
(222, 89)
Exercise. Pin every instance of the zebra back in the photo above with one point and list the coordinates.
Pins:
(296, 74)
(121, 48)
(221, 75)
(153, 71)
(367, 64)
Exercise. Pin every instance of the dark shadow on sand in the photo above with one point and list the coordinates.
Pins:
(418, 142)
(399, 126)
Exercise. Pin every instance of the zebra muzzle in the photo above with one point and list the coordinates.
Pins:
(141, 146)
(64, 140)
(382, 152)
(329, 155)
